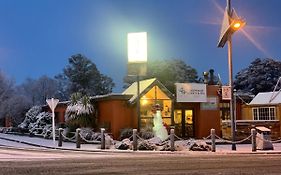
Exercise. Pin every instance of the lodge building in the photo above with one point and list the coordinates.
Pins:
(191, 118)
(192, 111)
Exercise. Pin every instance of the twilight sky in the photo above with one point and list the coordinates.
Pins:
(38, 36)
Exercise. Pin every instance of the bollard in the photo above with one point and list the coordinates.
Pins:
(78, 142)
(213, 138)
(60, 137)
(172, 139)
(135, 140)
(254, 140)
(102, 138)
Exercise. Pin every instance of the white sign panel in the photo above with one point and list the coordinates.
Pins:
(226, 93)
(52, 103)
(191, 92)
(137, 47)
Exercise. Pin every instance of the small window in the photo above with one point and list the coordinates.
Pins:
(264, 113)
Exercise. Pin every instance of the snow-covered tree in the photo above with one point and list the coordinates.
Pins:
(260, 76)
(38, 90)
(15, 107)
(12, 104)
(80, 112)
(168, 72)
(81, 75)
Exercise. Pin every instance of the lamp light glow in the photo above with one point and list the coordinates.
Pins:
(137, 47)
(237, 25)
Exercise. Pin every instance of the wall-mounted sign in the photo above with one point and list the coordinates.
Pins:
(211, 104)
(226, 92)
(191, 92)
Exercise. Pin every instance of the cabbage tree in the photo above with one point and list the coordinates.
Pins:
(80, 111)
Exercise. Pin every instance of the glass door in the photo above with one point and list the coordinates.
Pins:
(189, 128)
(184, 124)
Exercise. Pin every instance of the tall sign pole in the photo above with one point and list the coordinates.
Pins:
(230, 73)
(137, 59)
(52, 104)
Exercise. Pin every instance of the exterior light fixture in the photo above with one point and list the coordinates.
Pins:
(237, 24)
(230, 24)
(137, 60)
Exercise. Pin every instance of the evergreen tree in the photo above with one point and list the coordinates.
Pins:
(261, 76)
(81, 75)
(168, 72)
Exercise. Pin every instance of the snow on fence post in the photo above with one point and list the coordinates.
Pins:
(172, 139)
(213, 138)
(78, 142)
(135, 140)
(102, 138)
(60, 137)
(254, 141)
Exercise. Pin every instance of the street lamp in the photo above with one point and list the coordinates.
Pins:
(230, 24)
(137, 59)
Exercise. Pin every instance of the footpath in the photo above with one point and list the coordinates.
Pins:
(37, 142)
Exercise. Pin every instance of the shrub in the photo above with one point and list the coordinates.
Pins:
(126, 133)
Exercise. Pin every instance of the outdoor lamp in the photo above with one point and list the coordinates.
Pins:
(137, 59)
(237, 24)
(230, 24)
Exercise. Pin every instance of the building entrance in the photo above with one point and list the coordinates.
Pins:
(184, 122)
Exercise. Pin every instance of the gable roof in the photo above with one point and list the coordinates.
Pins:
(145, 86)
(265, 98)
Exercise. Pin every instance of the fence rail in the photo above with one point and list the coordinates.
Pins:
(78, 137)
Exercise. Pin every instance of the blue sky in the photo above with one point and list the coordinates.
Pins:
(38, 36)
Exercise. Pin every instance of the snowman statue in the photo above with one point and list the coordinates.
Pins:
(159, 129)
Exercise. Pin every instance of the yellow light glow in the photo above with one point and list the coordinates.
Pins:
(237, 25)
(137, 47)
(144, 100)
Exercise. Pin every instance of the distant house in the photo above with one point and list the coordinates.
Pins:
(264, 110)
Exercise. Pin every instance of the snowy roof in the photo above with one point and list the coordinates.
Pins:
(145, 85)
(262, 128)
(111, 96)
(265, 98)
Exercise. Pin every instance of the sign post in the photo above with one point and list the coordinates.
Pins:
(52, 104)
(137, 59)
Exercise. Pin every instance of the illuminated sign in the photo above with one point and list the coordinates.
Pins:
(137, 47)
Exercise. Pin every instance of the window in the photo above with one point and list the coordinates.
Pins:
(225, 111)
(155, 96)
(264, 113)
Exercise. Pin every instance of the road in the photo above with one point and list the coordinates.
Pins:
(44, 161)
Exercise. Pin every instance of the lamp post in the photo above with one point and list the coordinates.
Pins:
(231, 23)
(137, 59)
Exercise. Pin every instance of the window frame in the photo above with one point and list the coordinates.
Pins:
(264, 113)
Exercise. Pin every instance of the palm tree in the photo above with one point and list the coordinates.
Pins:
(80, 111)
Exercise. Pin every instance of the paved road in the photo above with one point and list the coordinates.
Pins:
(44, 161)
